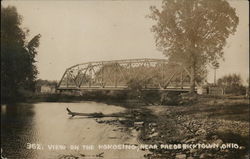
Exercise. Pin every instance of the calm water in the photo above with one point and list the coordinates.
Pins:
(48, 124)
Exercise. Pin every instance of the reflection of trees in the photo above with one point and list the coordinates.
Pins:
(17, 130)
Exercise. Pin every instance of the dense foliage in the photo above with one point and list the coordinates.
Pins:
(18, 69)
(193, 32)
(232, 84)
(41, 82)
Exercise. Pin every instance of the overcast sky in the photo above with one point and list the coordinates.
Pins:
(80, 31)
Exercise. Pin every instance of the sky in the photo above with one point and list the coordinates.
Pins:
(74, 32)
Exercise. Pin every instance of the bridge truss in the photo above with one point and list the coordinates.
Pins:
(121, 74)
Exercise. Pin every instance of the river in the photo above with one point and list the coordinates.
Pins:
(45, 130)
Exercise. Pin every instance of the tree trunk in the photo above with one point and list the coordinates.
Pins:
(192, 87)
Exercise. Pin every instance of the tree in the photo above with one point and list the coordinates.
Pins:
(18, 69)
(247, 87)
(231, 84)
(193, 32)
(41, 82)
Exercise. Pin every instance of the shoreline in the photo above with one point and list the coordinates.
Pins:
(207, 122)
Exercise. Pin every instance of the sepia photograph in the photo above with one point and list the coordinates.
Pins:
(125, 79)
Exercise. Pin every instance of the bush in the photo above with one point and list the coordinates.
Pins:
(170, 98)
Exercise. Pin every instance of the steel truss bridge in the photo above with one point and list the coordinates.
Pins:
(124, 74)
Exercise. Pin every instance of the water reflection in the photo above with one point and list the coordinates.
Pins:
(16, 130)
(48, 124)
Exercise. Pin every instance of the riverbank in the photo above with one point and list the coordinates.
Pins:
(115, 97)
(209, 121)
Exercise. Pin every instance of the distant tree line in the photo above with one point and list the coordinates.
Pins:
(232, 84)
(18, 69)
(41, 82)
(49, 83)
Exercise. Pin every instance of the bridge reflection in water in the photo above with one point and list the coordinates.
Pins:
(118, 74)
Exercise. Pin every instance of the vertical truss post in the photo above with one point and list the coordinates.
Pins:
(67, 81)
(90, 74)
(102, 75)
(116, 70)
(83, 77)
